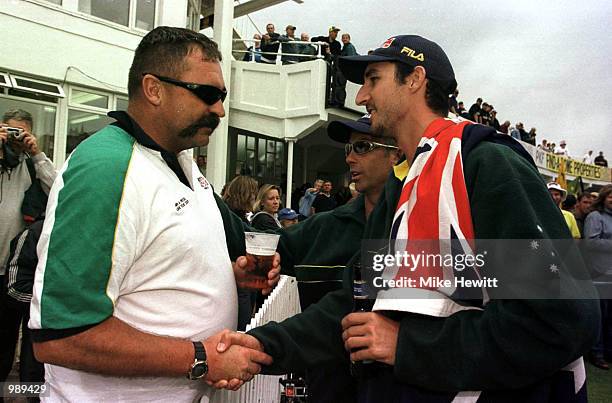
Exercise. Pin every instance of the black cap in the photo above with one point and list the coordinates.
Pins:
(413, 50)
(340, 130)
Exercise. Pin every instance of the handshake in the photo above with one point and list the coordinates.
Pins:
(233, 358)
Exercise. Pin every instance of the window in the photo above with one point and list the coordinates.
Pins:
(4, 80)
(122, 104)
(87, 111)
(43, 116)
(193, 15)
(38, 97)
(86, 98)
(82, 125)
(145, 14)
(139, 14)
(111, 10)
(260, 157)
(36, 86)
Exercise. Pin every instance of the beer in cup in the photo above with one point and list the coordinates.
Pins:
(260, 250)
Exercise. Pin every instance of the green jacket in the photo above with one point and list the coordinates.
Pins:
(509, 344)
(316, 250)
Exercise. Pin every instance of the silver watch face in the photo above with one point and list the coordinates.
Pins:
(198, 370)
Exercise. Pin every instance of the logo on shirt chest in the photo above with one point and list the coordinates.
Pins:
(203, 182)
(181, 204)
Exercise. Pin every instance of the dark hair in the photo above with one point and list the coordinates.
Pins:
(163, 50)
(599, 203)
(569, 203)
(18, 114)
(435, 95)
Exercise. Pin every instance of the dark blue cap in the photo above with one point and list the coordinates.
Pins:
(340, 130)
(413, 50)
(287, 214)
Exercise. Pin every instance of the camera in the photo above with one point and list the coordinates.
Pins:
(15, 133)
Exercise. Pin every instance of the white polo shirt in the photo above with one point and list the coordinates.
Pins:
(124, 237)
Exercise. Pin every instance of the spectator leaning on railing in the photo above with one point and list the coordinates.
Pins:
(254, 51)
(474, 111)
(600, 160)
(269, 45)
(588, 157)
(562, 150)
(306, 49)
(289, 49)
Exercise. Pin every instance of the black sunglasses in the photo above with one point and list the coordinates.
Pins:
(207, 93)
(361, 147)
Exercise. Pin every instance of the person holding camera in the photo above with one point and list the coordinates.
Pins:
(24, 169)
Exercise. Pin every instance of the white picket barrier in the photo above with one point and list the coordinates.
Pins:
(283, 303)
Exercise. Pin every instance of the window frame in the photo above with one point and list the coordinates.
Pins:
(7, 80)
(15, 77)
(89, 108)
(131, 25)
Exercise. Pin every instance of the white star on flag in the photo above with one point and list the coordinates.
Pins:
(534, 245)
(554, 268)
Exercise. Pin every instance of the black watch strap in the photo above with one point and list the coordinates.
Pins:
(200, 351)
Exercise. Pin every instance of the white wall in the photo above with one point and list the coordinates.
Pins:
(44, 40)
(278, 101)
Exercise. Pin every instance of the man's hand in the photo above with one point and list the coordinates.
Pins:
(3, 133)
(227, 340)
(238, 361)
(241, 275)
(30, 144)
(370, 336)
(3, 138)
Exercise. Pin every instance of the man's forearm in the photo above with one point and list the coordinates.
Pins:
(115, 348)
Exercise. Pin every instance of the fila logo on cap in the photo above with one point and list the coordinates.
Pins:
(411, 53)
(387, 43)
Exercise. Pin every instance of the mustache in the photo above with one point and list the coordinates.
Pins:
(210, 121)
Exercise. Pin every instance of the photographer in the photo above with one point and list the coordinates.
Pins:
(24, 169)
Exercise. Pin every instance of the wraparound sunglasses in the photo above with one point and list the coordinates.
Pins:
(207, 93)
(361, 147)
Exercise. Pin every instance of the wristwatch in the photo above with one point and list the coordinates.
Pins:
(199, 368)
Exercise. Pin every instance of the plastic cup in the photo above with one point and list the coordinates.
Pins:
(260, 250)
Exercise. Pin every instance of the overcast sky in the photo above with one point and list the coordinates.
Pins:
(543, 62)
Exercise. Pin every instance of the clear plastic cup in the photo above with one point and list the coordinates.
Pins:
(260, 250)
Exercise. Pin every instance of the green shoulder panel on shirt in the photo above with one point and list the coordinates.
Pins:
(81, 243)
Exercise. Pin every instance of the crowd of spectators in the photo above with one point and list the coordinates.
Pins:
(265, 49)
(589, 217)
(485, 113)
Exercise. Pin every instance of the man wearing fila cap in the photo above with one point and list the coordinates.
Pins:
(438, 348)
(494, 193)
(441, 349)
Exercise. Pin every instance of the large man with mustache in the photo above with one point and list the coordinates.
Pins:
(135, 279)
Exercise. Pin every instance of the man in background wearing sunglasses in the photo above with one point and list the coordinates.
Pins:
(135, 279)
(316, 250)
